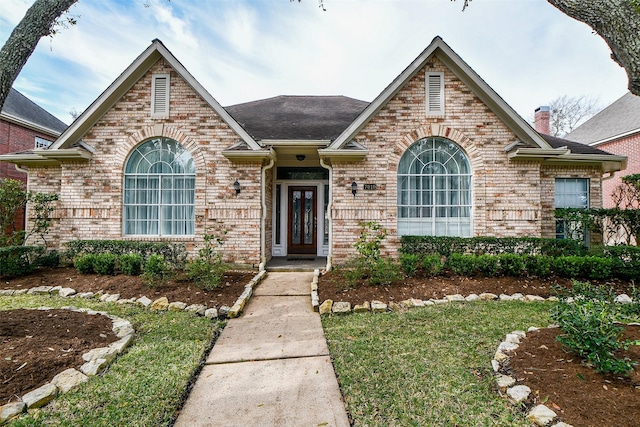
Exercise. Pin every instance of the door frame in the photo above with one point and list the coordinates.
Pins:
(281, 249)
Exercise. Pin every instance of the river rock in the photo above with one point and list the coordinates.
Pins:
(40, 396)
(68, 379)
(541, 415)
(161, 304)
(519, 392)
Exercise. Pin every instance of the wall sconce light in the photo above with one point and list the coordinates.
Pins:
(236, 186)
(300, 157)
(354, 188)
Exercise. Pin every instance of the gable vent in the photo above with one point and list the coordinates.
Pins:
(160, 95)
(435, 94)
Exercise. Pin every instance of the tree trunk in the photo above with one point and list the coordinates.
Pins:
(618, 23)
(37, 22)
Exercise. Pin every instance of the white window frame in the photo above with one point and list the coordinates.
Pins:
(434, 94)
(160, 83)
(564, 230)
(41, 142)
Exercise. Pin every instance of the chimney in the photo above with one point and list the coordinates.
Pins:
(541, 119)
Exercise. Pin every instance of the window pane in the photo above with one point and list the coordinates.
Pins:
(434, 189)
(159, 189)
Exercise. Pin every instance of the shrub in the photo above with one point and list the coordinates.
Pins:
(85, 263)
(384, 272)
(568, 266)
(207, 270)
(131, 264)
(409, 263)
(538, 265)
(49, 259)
(18, 261)
(511, 264)
(487, 265)
(462, 265)
(432, 264)
(597, 268)
(105, 264)
(589, 329)
(174, 254)
(156, 271)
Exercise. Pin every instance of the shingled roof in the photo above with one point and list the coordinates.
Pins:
(575, 147)
(20, 107)
(617, 120)
(297, 117)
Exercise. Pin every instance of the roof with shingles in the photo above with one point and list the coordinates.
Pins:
(575, 147)
(19, 106)
(297, 117)
(620, 118)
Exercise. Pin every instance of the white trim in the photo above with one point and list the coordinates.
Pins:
(27, 124)
(434, 93)
(160, 94)
(613, 138)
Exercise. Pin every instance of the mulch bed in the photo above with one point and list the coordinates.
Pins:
(37, 345)
(579, 395)
(178, 289)
(332, 286)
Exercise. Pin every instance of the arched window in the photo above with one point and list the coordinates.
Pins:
(434, 190)
(159, 189)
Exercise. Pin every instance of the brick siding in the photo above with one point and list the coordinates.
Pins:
(630, 147)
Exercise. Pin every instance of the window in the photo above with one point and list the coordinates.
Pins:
(571, 193)
(159, 190)
(160, 95)
(41, 142)
(435, 93)
(434, 190)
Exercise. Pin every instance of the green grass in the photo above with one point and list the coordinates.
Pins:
(143, 386)
(428, 366)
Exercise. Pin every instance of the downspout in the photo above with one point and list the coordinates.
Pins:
(263, 232)
(328, 213)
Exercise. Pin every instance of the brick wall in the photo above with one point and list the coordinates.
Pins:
(90, 204)
(630, 147)
(509, 198)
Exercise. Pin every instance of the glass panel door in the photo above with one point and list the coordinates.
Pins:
(302, 229)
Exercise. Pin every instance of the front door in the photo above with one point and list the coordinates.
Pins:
(302, 229)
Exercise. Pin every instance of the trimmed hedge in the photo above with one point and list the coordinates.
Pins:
(174, 254)
(426, 245)
(19, 260)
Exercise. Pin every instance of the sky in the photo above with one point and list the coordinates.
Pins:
(243, 50)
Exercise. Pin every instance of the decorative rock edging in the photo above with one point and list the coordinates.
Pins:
(540, 415)
(341, 307)
(96, 360)
(160, 304)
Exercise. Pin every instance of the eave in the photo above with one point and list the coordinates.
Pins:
(29, 125)
(249, 156)
(47, 157)
(563, 156)
(343, 155)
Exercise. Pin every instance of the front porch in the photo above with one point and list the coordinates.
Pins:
(283, 263)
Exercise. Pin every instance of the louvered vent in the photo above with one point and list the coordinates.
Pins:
(435, 94)
(160, 96)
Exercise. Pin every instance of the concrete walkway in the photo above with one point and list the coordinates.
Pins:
(269, 367)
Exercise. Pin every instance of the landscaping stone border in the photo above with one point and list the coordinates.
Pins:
(96, 360)
(160, 304)
(540, 415)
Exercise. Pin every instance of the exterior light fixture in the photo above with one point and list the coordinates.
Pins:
(236, 186)
(300, 157)
(354, 188)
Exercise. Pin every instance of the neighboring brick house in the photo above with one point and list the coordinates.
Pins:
(24, 126)
(616, 129)
(156, 157)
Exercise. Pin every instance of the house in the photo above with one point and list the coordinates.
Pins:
(616, 129)
(24, 126)
(438, 152)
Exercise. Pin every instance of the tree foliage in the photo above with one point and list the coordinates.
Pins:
(568, 112)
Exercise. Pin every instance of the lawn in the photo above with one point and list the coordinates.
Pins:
(142, 387)
(427, 366)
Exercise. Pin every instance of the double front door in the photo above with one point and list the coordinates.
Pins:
(303, 221)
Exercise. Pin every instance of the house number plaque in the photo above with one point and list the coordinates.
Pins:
(370, 186)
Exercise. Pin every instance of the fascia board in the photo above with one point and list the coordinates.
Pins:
(295, 142)
(613, 138)
(30, 125)
(343, 155)
(249, 155)
(27, 160)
